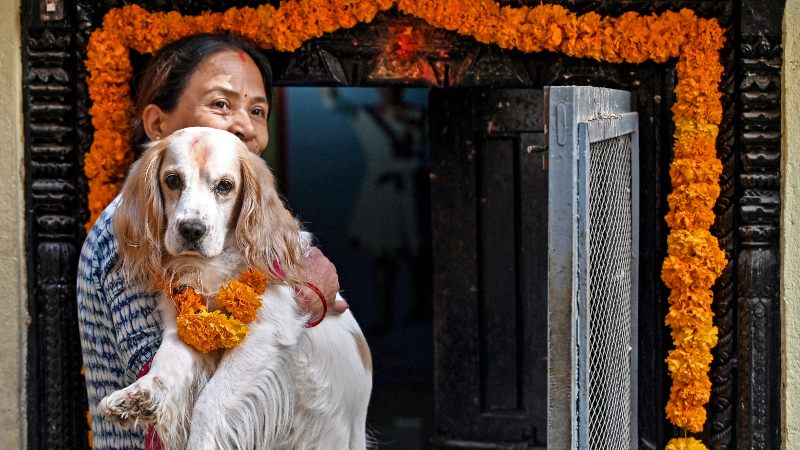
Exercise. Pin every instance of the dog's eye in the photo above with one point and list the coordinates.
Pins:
(173, 182)
(224, 186)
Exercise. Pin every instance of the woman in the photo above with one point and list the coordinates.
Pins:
(201, 80)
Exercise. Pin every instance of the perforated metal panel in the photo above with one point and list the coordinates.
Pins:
(592, 270)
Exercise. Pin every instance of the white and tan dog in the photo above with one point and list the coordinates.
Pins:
(198, 208)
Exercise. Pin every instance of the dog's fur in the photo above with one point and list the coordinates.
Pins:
(284, 385)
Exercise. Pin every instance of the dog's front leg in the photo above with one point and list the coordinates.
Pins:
(165, 395)
(248, 403)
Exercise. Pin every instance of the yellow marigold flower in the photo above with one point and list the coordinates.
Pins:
(692, 392)
(694, 338)
(229, 332)
(196, 332)
(685, 444)
(687, 365)
(207, 331)
(695, 142)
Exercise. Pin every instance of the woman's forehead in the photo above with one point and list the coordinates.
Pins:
(232, 68)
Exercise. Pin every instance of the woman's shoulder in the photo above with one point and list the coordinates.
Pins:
(100, 243)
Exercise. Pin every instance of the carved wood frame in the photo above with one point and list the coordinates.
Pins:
(745, 406)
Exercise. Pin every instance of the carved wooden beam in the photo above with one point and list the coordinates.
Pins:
(758, 319)
(719, 430)
(757, 266)
(56, 400)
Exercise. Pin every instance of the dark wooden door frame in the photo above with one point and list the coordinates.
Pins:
(744, 411)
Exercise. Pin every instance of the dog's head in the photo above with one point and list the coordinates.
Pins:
(196, 195)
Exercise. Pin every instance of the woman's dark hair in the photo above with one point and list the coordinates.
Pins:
(164, 78)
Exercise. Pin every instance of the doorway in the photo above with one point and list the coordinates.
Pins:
(463, 218)
(353, 166)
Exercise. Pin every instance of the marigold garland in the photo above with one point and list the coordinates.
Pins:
(685, 444)
(694, 258)
(224, 328)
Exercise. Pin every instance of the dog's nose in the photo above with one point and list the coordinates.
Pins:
(192, 230)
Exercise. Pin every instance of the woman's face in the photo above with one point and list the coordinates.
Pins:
(226, 92)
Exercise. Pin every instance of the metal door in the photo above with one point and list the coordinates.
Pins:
(592, 268)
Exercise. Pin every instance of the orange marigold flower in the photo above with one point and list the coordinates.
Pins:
(696, 274)
(691, 206)
(695, 243)
(256, 279)
(684, 413)
(689, 314)
(188, 301)
(240, 300)
(702, 298)
(691, 170)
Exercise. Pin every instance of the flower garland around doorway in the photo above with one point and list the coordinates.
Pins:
(694, 259)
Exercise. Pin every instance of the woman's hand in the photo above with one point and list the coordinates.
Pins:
(322, 274)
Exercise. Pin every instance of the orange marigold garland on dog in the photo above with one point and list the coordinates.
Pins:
(207, 330)
(694, 258)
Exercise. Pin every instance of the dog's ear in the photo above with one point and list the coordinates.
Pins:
(139, 219)
(266, 232)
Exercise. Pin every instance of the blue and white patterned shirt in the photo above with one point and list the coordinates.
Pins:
(120, 329)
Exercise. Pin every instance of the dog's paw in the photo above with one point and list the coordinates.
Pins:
(132, 405)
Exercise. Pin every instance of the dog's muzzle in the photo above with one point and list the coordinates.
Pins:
(192, 231)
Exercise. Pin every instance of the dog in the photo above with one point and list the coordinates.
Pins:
(198, 209)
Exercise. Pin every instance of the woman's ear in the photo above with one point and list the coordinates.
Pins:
(154, 122)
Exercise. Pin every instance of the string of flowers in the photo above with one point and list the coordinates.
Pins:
(225, 327)
(694, 258)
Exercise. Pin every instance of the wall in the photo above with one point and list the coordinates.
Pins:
(790, 234)
(12, 260)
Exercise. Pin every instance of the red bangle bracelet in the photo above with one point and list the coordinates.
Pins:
(321, 296)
